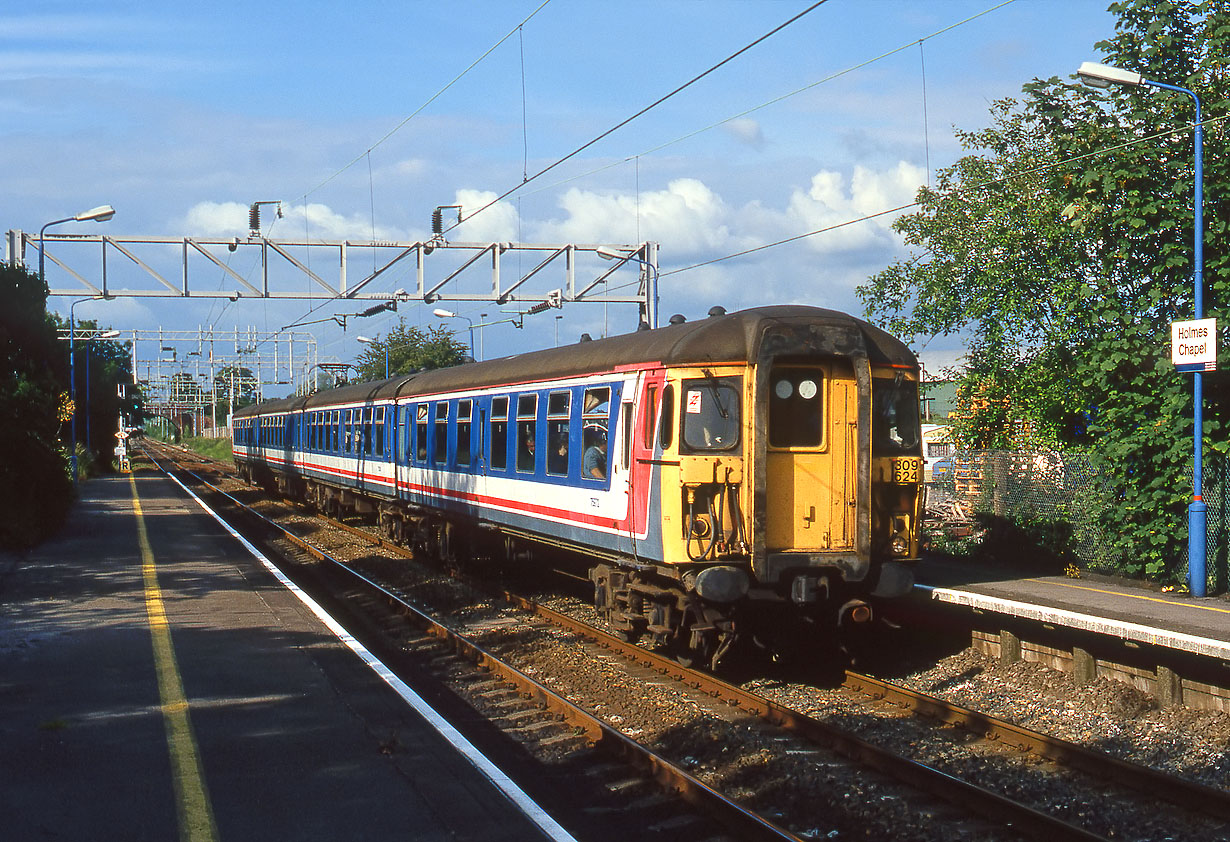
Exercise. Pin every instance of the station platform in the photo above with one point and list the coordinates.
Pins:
(157, 682)
(1100, 605)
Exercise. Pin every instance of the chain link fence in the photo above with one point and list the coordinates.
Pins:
(1050, 508)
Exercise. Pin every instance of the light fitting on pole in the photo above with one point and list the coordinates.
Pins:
(99, 214)
(610, 254)
(1103, 75)
(441, 313)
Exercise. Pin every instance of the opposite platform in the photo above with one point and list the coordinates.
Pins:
(1099, 605)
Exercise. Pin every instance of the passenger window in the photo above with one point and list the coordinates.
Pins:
(499, 434)
(403, 435)
(527, 432)
(711, 414)
(420, 434)
(795, 407)
(558, 407)
(378, 429)
(464, 411)
(440, 456)
(595, 417)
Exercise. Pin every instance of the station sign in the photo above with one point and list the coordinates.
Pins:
(1193, 345)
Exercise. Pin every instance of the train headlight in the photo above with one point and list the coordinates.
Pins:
(900, 542)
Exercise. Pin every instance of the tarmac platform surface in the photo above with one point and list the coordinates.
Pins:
(157, 683)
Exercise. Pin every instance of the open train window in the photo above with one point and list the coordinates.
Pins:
(595, 418)
(440, 451)
(499, 434)
(465, 411)
(527, 432)
(558, 411)
(711, 413)
(796, 409)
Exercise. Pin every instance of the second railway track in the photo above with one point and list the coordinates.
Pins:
(815, 779)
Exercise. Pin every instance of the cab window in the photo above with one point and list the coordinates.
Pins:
(895, 426)
(711, 414)
(795, 411)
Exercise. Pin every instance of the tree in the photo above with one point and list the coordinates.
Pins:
(103, 366)
(410, 349)
(1063, 249)
(35, 490)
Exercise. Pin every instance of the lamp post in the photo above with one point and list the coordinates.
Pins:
(441, 313)
(651, 298)
(72, 371)
(1103, 76)
(99, 214)
(369, 341)
(89, 345)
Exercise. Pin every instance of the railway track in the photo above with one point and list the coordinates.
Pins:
(973, 809)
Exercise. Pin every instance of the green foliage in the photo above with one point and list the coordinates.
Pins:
(410, 349)
(219, 448)
(35, 490)
(1062, 247)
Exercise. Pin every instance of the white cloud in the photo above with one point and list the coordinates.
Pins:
(745, 130)
(687, 215)
(828, 202)
(495, 224)
(314, 220)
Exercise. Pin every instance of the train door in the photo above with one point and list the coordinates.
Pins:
(811, 458)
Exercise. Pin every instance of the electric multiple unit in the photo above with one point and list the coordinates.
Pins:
(757, 473)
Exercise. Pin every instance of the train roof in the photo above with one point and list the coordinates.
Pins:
(731, 337)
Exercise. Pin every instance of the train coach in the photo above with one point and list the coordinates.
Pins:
(751, 475)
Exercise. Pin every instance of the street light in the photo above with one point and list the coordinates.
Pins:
(1103, 76)
(99, 214)
(101, 334)
(72, 368)
(651, 298)
(369, 341)
(441, 313)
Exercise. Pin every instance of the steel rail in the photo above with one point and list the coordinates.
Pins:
(747, 824)
(987, 803)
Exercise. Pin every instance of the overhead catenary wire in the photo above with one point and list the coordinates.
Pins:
(783, 97)
(964, 189)
(429, 101)
(578, 150)
(607, 133)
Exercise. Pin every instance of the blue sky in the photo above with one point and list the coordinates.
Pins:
(180, 117)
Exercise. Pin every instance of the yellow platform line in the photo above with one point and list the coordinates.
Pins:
(192, 805)
(1175, 603)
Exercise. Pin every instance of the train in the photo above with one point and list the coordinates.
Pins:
(753, 475)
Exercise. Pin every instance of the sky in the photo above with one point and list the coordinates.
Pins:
(361, 118)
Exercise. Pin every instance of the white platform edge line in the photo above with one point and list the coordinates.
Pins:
(480, 761)
(1131, 631)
